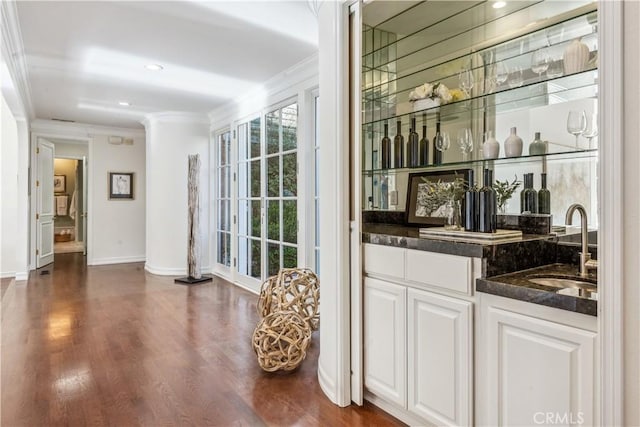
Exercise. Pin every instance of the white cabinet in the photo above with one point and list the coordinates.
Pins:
(538, 371)
(440, 358)
(385, 355)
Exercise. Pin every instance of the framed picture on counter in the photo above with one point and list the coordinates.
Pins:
(425, 205)
(120, 185)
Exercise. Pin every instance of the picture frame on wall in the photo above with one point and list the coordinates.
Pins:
(120, 185)
(59, 183)
(424, 208)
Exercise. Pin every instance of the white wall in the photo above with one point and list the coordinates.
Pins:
(71, 150)
(171, 137)
(117, 233)
(8, 191)
(631, 226)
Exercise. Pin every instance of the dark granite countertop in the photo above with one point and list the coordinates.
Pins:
(409, 237)
(517, 286)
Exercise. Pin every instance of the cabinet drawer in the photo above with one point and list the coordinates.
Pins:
(450, 272)
(385, 260)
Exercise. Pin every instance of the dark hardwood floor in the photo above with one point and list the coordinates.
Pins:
(113, 345)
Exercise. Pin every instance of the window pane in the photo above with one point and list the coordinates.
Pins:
(274, 258)
(243, 216)
(255, 137)
(273, 176)
(255, 259)
(227, 191)
(289, 175)
(243, 180)
(289, 127)
(317, 173)
(255, 218)
(223, 215)
(222, 182)
(242, 142)
(224, 254)
(290, 221)
(243, 256)
(255, 178)
(273, 132)
(317, 271)
(290, 257)
(226, 151)
(273, 220)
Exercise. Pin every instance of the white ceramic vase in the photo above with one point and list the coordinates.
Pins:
(491, 147)
(575, 57)
(513, 145)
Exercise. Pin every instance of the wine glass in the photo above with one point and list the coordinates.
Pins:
(591, 130)
(502, 73)
(442, 141)
(515, 77)
(555, 68)
(540, 62)
(465, 141)
(576, 123)
(466, 80)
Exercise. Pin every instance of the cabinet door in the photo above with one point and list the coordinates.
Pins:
(539, 372)
(440, 357)
(385, 313)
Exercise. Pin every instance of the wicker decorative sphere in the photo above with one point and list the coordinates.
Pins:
(281, 340)
(268, 300)
(299, 290)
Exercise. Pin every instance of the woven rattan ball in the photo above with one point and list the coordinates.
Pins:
(281, 340)
(298, 289)
(267, 302)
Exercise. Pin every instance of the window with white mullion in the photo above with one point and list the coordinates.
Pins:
(316, 195)
(223, 198)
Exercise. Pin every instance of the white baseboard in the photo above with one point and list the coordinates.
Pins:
(7, 274)
(22, 276)
(327, 385)
(400, 413)
(116, 260)
(163, 271)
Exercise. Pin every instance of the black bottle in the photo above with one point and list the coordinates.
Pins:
(437, 154)
(398, 147)
(413, 153)
(528, 196)
(386, 149)
(544, 197)
(424, 143)
(471, 205)
(487, 221)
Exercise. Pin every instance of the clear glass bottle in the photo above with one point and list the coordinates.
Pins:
(544, 197)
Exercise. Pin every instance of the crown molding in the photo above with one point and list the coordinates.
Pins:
(175, 117)
(303, 73)
(13, 54)
(61, 129)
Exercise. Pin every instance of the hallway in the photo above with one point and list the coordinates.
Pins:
(113, 345)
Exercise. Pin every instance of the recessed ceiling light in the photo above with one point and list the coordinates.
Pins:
(499, 4)
(154, 67)
(124, 103)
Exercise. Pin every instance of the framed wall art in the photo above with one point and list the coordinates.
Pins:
(120, 185)
(59, 183)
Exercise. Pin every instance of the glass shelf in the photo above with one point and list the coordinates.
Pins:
(403, 74)
(561, 89)
(469, 164)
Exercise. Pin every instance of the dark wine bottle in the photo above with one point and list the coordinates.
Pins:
(471, 205)
(424, 143)
(413, 153)
(544, 197)
(528, 196)
(386, 149)
(437, 154)
(398, 147)
(487, 220)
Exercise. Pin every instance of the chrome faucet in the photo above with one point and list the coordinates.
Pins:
(586, 263)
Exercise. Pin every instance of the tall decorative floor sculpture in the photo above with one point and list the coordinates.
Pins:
(193, 241)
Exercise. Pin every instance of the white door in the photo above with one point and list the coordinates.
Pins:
(539, 372)
(85, 198)
(385, 356)
(439, 346)
(45, 206)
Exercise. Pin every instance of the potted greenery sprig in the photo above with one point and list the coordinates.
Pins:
(504, 191)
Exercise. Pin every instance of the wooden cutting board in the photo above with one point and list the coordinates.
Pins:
(498, 235)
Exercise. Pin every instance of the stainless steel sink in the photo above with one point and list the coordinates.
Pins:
(567, 286)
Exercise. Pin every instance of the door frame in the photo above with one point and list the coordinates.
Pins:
(53, 137)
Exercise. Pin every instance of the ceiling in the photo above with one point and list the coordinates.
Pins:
(84, 58)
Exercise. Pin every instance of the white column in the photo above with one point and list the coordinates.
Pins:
(22, 238)
(171, 137)
(334, 362)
